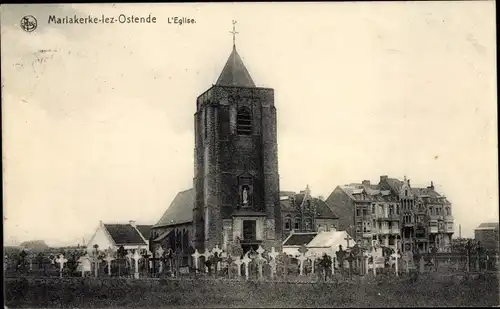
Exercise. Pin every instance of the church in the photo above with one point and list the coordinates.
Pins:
(235, 200)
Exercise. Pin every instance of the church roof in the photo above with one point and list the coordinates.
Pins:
(145, 230)
(180, 210)
(235, 73)
(125, 234)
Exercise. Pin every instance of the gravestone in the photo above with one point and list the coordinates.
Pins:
(272, 262)
(108, 260)
(260, 260)
(286, 262)
(184, 270)
(61, 261)
(52, 259)
(95, 260)
(421, 268)
(312, 257)
(396, 257)
(136, 258)
(246, 260)
(129, 258)
(229, 262)
(333, 256)
(207, 256)
(159, 254)
(237, 261)
(367, 256)
(31, 257)
(301, 258)
(85, 264)
(196, 257)
(216, 253)
(178, 256)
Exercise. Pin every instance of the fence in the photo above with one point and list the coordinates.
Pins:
(261, 265)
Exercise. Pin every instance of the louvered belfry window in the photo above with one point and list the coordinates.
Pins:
(244, 121)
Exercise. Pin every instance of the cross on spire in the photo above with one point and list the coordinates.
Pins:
(234, 32)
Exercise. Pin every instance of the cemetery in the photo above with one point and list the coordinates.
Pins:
(342, 277)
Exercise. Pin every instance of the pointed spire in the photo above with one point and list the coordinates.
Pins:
(234, 72)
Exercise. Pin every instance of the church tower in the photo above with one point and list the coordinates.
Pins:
(236, 180)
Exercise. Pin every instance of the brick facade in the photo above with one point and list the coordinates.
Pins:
(226, 163)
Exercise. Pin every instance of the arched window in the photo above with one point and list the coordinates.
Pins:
(431, 210)
(307, 224)
(297, 223)
(448, 211)
(288, 222)
(244, 121)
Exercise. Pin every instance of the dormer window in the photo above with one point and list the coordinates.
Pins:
(244, 121)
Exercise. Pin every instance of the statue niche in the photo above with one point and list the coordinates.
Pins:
(245, 191)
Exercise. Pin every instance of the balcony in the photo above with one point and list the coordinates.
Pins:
(382, 217)
(384, 231)
(448, 218)
(367, 234)
(433, 229)
(395, 230)
(394, 217)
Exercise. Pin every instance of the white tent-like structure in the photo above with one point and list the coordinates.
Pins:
(327, 241)
(317, 243)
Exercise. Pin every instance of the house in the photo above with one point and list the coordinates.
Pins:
(394, 214)
(488, 234)
(301, 212)
(131, 236)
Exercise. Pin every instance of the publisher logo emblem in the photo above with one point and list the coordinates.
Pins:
(28, 23)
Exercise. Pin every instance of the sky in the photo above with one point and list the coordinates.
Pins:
(97, 119)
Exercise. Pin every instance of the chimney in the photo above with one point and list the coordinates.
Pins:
(132, 222)
(408, 181)
(383, 178)
(366, 182)
(431, 186)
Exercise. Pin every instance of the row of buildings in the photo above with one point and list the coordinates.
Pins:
(390, 213)
(236, 199)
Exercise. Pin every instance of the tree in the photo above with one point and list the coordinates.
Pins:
(35, 245)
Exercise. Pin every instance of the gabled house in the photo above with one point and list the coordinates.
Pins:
(488, 235)
(301, 212)
(130, 236)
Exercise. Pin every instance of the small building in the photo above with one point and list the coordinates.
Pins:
(488, 235)
(319, 243)
(130, 236)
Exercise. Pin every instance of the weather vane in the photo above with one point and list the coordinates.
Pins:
(234, 32)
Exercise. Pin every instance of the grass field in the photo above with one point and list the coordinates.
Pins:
(121, 293)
